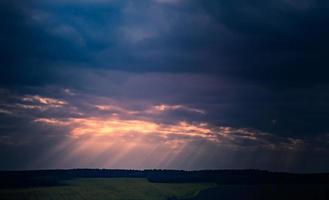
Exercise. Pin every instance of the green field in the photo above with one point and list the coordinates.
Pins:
(107, 188)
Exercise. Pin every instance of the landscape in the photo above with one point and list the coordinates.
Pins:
(164, 100)
(97, 184)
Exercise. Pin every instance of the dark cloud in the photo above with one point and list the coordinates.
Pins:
(272, 42)
(28, 50)
(253, 65)
(281, 43)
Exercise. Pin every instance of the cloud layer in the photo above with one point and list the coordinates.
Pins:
(210, 78)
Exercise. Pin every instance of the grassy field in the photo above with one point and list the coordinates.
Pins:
(107, 188)
(265, 192)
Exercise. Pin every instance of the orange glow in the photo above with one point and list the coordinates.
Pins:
(115, 126)
(116, 142)
(95, 126)
(121, 141)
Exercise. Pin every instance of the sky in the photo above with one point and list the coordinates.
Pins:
(170, 84)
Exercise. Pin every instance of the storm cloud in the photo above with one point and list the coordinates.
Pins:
(253, 74)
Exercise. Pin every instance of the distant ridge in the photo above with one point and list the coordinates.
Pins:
(32, 178)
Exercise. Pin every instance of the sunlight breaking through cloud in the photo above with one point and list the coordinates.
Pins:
(183, 132)
(95, 131)
(114, 142)
(115, 126)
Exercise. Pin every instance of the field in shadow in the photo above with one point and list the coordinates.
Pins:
(162, 184)
(107, 189)
(265, 192)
